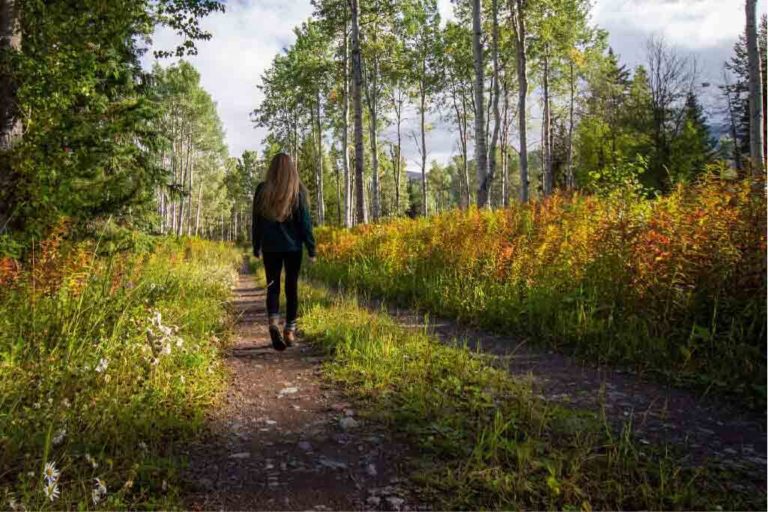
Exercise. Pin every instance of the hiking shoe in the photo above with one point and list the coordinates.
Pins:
(289, 335)
(277, 338)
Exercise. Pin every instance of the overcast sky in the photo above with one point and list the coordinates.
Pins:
(251, 32)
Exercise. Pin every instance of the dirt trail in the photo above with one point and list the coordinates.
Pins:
(282, 439)
(703, 426)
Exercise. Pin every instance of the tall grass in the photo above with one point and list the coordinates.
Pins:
(483, 440)
(107, 361)
(675, 284)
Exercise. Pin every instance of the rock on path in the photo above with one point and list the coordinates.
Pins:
(282, 439)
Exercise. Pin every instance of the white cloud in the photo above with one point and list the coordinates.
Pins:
(692, 24)
(245, 40)
(247, 37)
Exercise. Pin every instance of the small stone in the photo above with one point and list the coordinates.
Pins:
(371, 470)
(288, 391)
(305, 445)
(240, 455)
(270, 422)
(347, 423)
(395, 503)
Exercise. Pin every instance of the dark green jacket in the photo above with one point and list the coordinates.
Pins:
(287, 236)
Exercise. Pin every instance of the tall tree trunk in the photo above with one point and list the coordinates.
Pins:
(398, 105)
(357, 105)
(319, 169)
(518, 27)
(373, 105)
(479, 85)
(547, 129)
(755, 92)
(199, 208)
(345, 135)
(570, 179)
(423, 129)
(505, 145)
(496, 114)
(339, 209)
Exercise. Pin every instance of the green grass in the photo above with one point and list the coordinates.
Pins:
(107, 371)
(484, 440)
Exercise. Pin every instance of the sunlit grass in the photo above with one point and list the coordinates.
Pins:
(107, 365)
(484, 440)
(674, 285)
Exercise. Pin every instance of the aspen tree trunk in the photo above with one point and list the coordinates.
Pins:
(756, 142)
(496, 114)
(518, 27)
(199, 207)
(396, 157)
(357, 104)
(345, 135)
(505, 146)
(319, 175)
(570, 178)
(423, 127)
(479, 85)
(547, 130)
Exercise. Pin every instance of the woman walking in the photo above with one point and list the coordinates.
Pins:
(281, 225)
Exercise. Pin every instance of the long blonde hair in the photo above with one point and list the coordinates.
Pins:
(280, 193)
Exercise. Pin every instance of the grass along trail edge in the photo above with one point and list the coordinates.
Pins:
(487, 441)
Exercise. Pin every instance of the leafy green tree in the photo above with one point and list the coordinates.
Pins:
(89, 125)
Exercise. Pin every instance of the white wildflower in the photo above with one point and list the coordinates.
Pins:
(59, 436)
(166, 349)
(95, 496)
(164, 486)
(103, 363)
(90, 460)
(50, 473)
(179, 341)
(36, 405)
(100, 487)
(51, 490)
(66, 403)
(182, 379)
(142, 445)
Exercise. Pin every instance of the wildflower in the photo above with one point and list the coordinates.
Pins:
(36, 405)
(90, 460)
(95, 497)
(164, 486)
(50, 473)
(58, 438)
(66, 403)
(179, 341)
(51, 490)
(142, 445)
(100, 487)
(103, 363)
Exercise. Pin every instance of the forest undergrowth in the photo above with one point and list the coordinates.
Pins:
(485, 440)
(108, 361)
(674, 285)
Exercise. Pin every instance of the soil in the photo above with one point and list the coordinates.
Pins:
(707, 429)
(282, 438)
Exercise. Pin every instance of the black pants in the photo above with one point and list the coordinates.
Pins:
(273, 266)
